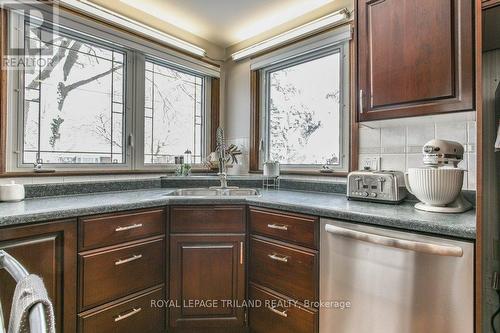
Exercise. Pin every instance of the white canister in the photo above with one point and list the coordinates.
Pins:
(11, 192)
(271, 169)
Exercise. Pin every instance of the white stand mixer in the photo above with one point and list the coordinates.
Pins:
(438, 186)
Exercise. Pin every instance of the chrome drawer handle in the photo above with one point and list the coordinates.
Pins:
(241, 253)
(278, 226)
(276, 257)
(128, 314)
(124, 261)
(278, 312)
(133, 226)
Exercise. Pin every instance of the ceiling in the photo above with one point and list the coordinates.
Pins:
(221, 22)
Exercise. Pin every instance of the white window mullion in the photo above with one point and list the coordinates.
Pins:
(139, 95)
(131, 78)
(206, 115)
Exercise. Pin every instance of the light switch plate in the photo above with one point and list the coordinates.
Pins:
(372, 162)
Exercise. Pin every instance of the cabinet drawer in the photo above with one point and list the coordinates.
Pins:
(207, 219)
(132, 315)
(295, 228)
(104, 230)
(289, 271)
(114, 273)
(275, 314)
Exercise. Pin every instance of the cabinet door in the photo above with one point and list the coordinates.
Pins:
(49, 251)
(415, 57)
(208, 269)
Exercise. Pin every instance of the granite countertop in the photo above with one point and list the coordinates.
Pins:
(402, 216)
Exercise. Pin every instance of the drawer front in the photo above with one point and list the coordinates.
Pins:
(98, 231)
(111, 274)
(275, 314)
(207, 219)
(294, 228)
(289, 271)
(130, 316)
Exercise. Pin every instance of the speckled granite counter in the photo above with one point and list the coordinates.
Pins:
(402, 216)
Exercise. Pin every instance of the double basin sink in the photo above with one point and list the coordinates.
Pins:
(215, 192)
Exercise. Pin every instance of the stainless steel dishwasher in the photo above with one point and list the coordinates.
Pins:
(377, 280)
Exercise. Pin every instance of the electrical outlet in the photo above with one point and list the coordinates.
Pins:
(370, 162)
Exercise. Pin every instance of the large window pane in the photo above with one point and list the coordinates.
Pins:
(74, 106)
(173, 117)
(304, 112)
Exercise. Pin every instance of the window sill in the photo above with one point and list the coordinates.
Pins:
(95, 172)
(312, 172)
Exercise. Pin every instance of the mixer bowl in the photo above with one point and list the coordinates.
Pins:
(435, 186)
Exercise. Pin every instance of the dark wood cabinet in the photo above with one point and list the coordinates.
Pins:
(415, 57)
(108, 274)
(207, 267)
(132, 315)
(283, 266)
(278, 314)
(111, 229)
(121, 270)
(293, 228)
(49, 251)
(207, 219)
(103, 272)
(292, 271)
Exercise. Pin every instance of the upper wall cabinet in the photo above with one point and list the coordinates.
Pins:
(415, 57)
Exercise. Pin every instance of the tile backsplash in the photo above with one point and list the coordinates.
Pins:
(77, 179)
(399, 143)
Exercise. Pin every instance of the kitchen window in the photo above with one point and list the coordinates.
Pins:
(304, 105)
(101, 100)
(173, 114)
(73, 105)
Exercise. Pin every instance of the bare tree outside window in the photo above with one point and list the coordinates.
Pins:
(304, 112)
(173, 116)
(74, 106)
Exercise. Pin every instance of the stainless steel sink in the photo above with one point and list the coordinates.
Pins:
(193, 192)
(215, 192)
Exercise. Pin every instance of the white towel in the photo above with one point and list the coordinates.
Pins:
(29, 292)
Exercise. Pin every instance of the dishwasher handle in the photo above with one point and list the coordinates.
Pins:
(404, 244)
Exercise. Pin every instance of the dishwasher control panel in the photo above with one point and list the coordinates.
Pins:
(379, 186)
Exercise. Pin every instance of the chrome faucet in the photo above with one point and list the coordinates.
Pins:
(221, 152)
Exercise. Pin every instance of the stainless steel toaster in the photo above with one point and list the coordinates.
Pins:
(386, 186)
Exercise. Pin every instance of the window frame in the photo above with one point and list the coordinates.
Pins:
(136, 50)
(342, 48)
(140, 110)
(18, 89)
